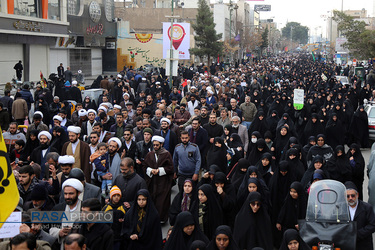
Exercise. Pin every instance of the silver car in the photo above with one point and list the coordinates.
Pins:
(370, 110)
(343, 79)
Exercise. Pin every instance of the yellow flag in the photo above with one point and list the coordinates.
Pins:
(9, 195)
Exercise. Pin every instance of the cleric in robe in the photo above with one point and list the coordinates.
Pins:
(80, 150)
(158, 166)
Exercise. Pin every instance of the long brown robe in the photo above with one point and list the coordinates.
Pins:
(85, 153)
(160, 186)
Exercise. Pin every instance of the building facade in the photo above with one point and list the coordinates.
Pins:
(91, 43)
(27, 31)
(140, 31)
(44, 33)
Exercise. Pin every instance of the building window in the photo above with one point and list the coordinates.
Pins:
(54, 9)
(109, 9)
(27, 8)
(73, 7)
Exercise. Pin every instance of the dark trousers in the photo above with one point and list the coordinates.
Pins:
(20, 121)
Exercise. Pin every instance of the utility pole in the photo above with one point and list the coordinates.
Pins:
(291, 36)
(170, 51)
(342, 5)
(230, 20)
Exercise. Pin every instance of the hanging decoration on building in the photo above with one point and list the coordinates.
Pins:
(143, 38)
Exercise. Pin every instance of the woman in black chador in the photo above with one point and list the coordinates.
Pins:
(292, 240)
(252, 227)
(223, 239)
(185, 200)
(141, 228)
(184, 233)
(293, 209)
(218, 155)
(208, 213)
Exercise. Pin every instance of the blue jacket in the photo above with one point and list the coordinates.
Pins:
(187, 159)
(27, 96)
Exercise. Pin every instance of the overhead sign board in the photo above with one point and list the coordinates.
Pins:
(262, 7)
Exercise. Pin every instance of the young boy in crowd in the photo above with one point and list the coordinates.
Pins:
(119, 211)
(15, 154)
(101, 161)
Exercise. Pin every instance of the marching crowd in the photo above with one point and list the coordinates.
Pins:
(243, 158)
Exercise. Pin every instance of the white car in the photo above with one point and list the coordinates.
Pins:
(343, 79)
(370, 110)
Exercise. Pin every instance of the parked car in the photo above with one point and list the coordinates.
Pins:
(343, 79)
(370, 110)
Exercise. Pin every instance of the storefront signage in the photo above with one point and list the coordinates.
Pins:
(96, 29)
(28, 25)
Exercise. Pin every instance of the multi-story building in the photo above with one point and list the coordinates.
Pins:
(44, 33)
(28, 29)
(92, 33)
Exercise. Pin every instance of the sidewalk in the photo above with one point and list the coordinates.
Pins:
(88, 81)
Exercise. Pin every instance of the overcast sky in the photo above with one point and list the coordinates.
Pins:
(309, 12)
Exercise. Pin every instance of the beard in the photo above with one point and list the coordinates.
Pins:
(44, 145)
(71, 201)
(235, 126)
(352, 203)
(74, 140)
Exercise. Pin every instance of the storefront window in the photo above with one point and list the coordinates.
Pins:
(73, 7)
(54, 9)
(27, 8)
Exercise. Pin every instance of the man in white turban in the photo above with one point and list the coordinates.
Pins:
(169, 136)
(39, 154)
(80, 150)
(71, 205)
(158, 166)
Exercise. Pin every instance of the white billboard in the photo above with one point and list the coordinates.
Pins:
(181, 39)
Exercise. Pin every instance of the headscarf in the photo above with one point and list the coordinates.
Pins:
(217, 155)
(257, 230)
(223, 229)
(186, 199)
(211, 209)
(148, 227)
(293, 209)
(178, 239)
(292, 234)
(238, 174)
(179, 202)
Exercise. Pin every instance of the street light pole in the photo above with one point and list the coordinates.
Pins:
(342, 5)
(230, 20)
(171, 52)
(291, 36)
